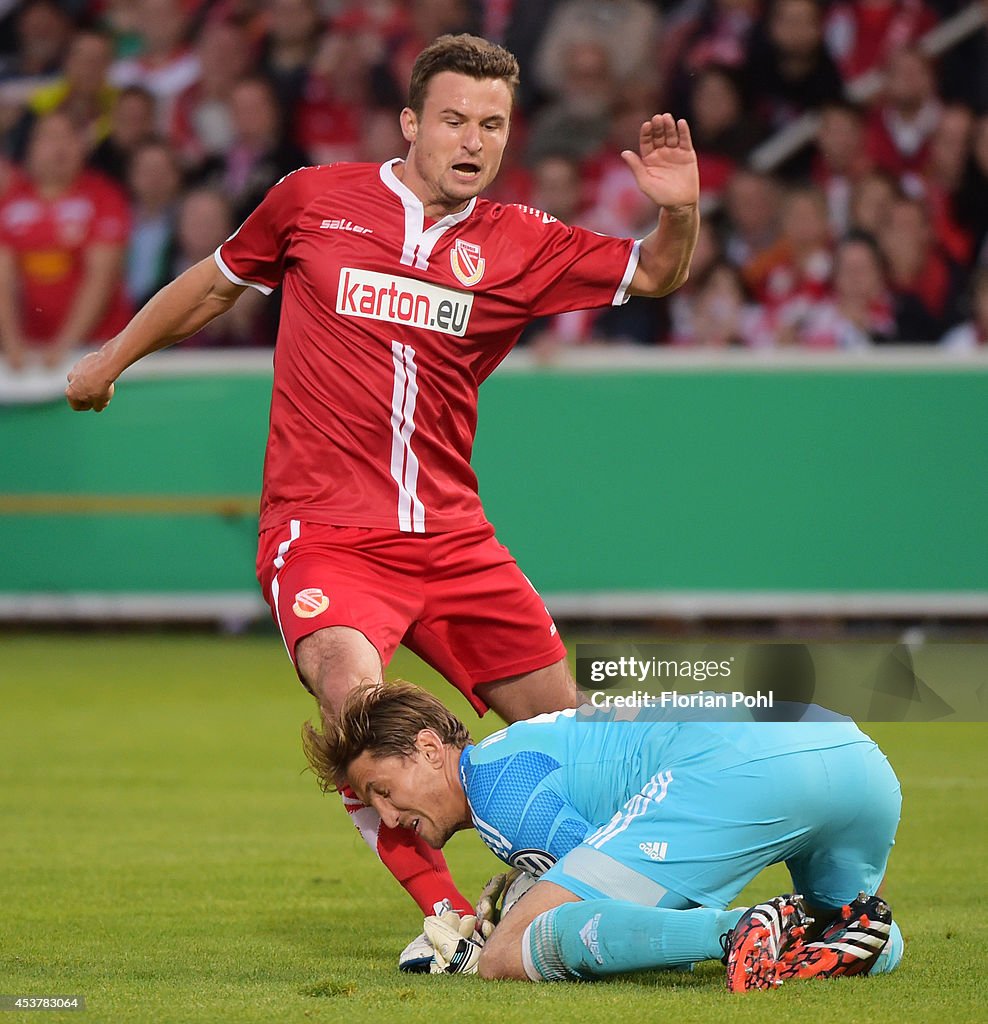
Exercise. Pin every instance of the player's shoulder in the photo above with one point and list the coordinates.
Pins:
(315, 179)
(523, 749)
(518, 218)
(531, 748)
(505, 779)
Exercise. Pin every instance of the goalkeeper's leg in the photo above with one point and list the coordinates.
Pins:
(552, 935)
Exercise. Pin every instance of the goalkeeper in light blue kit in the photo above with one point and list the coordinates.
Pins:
(642, 830)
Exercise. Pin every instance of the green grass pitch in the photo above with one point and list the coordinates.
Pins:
(163, 855)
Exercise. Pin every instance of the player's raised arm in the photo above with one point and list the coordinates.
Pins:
(665, 169)
(177, 311)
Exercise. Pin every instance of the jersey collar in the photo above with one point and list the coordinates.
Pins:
(419, 239)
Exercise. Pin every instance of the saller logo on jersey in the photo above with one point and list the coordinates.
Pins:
(402, 300)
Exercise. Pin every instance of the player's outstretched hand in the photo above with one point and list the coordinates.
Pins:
(665, 165)
(89, 387)
(456, 942)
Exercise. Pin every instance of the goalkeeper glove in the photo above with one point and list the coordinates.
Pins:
(456, 942)
(417, 957)
(488, 912)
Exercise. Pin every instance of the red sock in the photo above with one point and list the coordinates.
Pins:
(421, 870)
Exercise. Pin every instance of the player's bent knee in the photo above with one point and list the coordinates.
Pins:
(532, 693)
(334, 660)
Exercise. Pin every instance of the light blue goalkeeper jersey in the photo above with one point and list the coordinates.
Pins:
(703, 803)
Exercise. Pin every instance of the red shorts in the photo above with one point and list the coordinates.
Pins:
(457, 599)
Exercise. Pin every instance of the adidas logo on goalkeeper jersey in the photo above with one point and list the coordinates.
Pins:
(656, 851)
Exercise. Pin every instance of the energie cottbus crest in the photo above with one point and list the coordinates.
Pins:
(467, 263)
(310, 602)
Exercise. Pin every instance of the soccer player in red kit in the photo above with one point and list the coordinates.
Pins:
(402, 291)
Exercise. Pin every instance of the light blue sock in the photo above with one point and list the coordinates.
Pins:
(890, 956)
(593, 938)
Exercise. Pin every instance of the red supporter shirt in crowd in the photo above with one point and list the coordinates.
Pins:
(389, 324)
(49, 239)
(861, 37)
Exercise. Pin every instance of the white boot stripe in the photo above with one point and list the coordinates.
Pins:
(845, 947)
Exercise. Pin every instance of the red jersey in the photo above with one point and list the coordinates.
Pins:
(860, 37)
(389, 324)
(49, 238)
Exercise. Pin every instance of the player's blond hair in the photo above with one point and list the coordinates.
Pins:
(383, 719)
(466, 55)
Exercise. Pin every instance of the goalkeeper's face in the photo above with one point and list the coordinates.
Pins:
(421, 792)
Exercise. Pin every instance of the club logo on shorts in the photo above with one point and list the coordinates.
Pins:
(310, 602)
(467, 263)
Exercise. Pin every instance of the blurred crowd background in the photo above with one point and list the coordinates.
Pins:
(843, 153)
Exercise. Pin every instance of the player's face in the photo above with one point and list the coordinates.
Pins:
(420, 792)
(456, 145)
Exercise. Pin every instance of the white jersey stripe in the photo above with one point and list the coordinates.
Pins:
(294, 530)
(491, 836)
(236, 279)
(404, 461)
(275, 594)
(408, 427)
(621, 296)
(652, 794)
(634, 808)
(602, 832)
(397, 442)
(413, 236)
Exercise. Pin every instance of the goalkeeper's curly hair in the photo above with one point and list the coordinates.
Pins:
(381, 718)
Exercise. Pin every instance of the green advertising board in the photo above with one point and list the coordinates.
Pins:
(660, 486)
